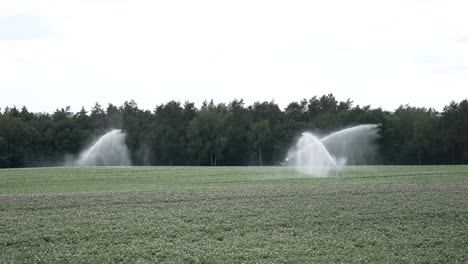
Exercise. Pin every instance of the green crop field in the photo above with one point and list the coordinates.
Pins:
(233, 214)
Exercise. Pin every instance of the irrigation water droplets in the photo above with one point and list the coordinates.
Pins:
(318, 156)
(108, 150)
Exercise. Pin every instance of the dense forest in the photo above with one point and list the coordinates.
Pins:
(230, 134)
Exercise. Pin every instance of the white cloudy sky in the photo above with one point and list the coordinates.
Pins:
(382, 53)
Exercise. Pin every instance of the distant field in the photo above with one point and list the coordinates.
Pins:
(234, 214)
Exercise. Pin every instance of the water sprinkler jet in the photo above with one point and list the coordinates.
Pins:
(317, 156)
(108, 150)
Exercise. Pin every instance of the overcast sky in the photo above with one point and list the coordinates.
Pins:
(382, 53)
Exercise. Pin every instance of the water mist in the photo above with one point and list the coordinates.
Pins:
(108, 150)
(318, 156)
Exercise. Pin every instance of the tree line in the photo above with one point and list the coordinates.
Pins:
(230, 134)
